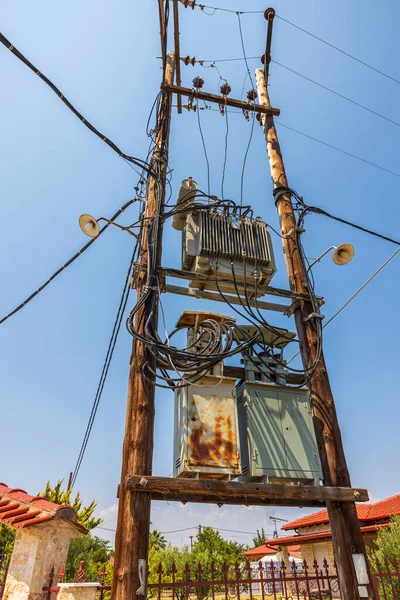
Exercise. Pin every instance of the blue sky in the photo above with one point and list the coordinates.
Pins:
(103, 56)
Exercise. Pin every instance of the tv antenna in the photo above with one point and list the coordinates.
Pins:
(275, 519)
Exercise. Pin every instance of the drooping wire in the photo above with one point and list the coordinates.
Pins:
(319, 211)
(65, 265)
(244, 50)
(136, 161)
(338, 49)
(225, 152)
(374, 112)
(106, 365)
(245, 157)
(204, 146)
(310, 137)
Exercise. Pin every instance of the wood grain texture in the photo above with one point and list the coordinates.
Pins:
(241, 493)
(132, 534)
(346, 535)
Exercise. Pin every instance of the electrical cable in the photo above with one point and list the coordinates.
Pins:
(244, 50)
(319, 211)
(353, 296)
(65, 265)
(136, 161)
(310, 137)
(106, 365)
(245, 157)
(204, 146)
(225, 152)
(374, 112)
(338, 49)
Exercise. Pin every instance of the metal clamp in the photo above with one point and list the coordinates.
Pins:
(314, 316)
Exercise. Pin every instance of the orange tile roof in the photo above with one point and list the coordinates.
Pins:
(384, 509)
(322, 535)
(265, 549)
(19, 509)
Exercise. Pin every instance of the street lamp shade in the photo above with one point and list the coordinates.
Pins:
(89, 225)
(343, 254)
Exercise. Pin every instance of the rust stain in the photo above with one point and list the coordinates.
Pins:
(213, 441)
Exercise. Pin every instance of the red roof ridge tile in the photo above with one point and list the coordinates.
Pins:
(20, 509)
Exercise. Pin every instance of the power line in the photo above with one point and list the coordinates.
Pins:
(106, 365)
(338, 49)
(368, 162)
(374, 112)
(310, 137)
(136, 161)
(70, 261)
(321, 85)
(319, 211)
(353, 296)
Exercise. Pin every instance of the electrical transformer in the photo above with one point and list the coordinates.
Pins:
(206, 437)
(276, 434)
(206, 430)
(230, 248)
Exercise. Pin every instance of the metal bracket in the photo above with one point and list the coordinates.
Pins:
(142, 572)
(314, 316)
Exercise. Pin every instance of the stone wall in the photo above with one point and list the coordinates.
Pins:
(36, 550)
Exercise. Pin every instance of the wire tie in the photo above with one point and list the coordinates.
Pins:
(83, 120)
(11, 47)
(38, 73)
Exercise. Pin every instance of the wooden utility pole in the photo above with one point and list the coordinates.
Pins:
(346, 535)
(132, 535)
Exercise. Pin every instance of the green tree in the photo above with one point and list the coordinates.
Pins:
(386, 549)
(260, 538)
(7, 537)
(84, 514)
(157, 540)
(94, 551)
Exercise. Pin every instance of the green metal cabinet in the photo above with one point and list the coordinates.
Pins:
(276, 434)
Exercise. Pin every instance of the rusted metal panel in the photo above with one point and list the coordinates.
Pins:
(207, 440)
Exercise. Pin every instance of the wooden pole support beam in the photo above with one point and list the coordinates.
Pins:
(235, 492)
(205, 295)
(181, 91)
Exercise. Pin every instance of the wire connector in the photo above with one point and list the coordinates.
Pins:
(314, 315)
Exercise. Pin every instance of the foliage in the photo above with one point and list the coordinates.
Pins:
(58, 495)
(386, 550)
(7, 537)
(94, 551)
(157, 540)
(209, 547)
(260, 538)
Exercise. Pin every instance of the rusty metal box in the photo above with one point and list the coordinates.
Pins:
(277, 434)
(206, 442)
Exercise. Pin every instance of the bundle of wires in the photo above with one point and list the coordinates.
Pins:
(214, 341)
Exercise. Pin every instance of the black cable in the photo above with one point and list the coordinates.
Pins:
(338, 49)
(320, 211)
(336, 93)
(244, 50)
(225, 152)
(106, 365)
(310, 137)
(204, 147)
(22, 58)
(70, 261)
(245, 157)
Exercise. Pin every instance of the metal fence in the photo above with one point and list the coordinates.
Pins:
(263, 581)
(4, 562)
(241, 582)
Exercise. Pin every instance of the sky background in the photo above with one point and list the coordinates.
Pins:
(103, 56)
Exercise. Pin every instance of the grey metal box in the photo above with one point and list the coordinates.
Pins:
(206, 442)
(276, 434)
(216, 244)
